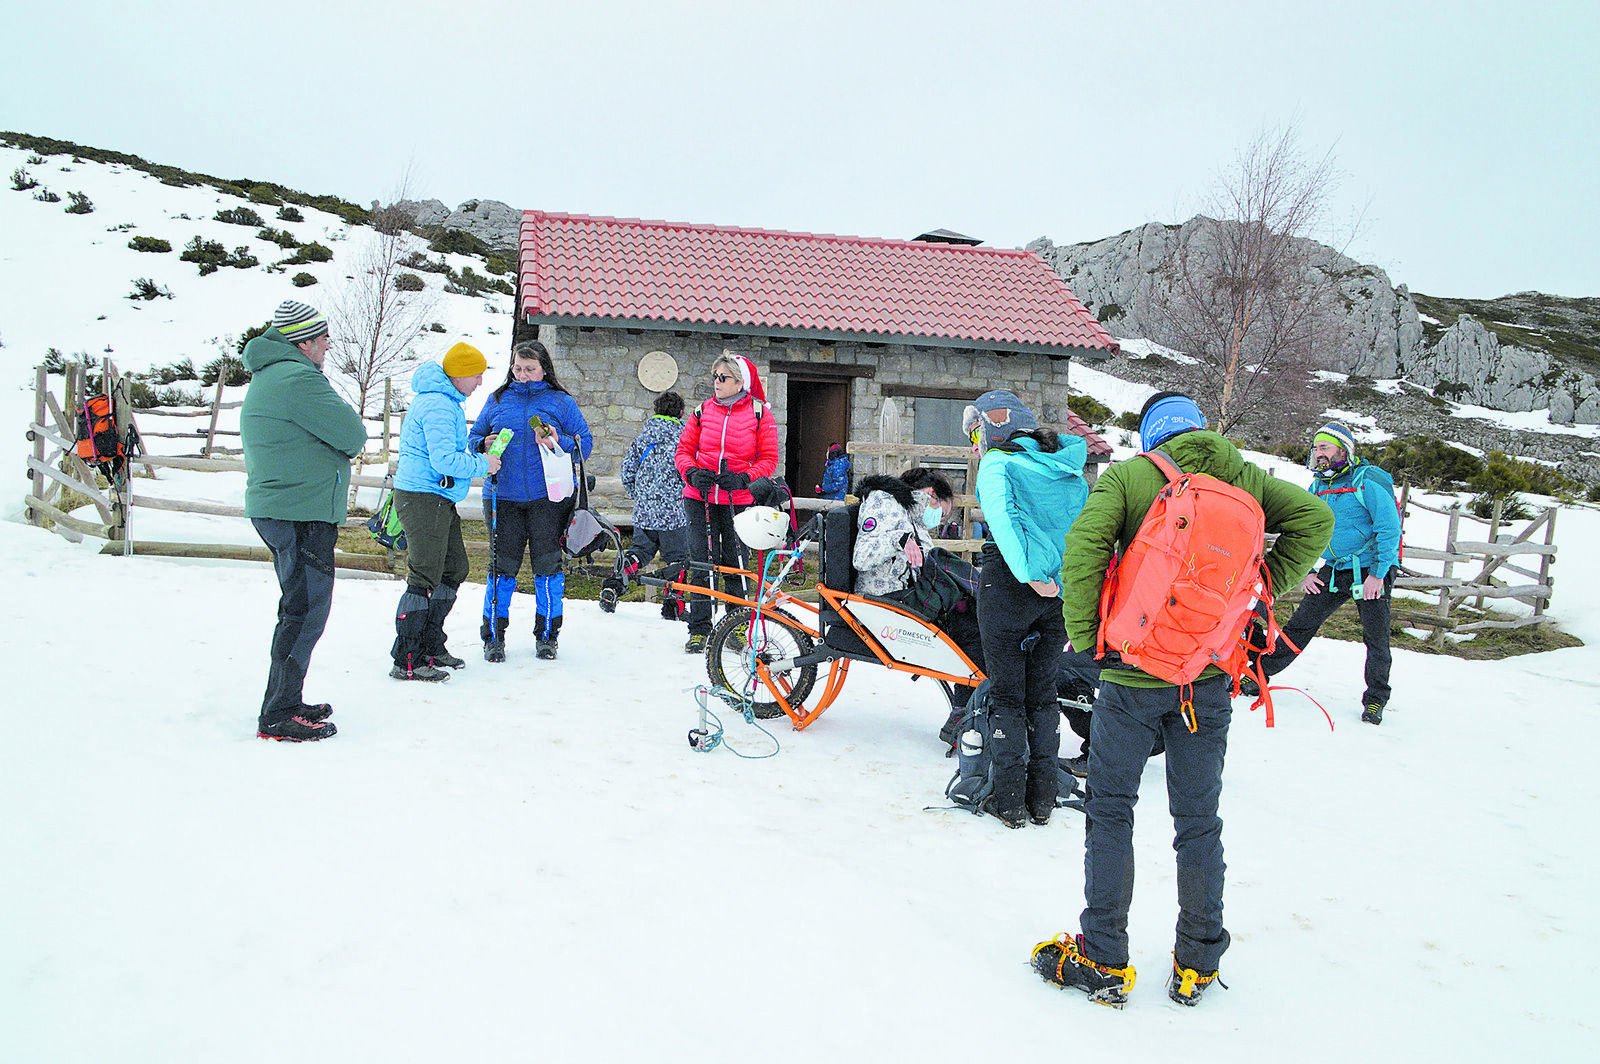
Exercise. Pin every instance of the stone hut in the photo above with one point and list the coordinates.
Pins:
(854, 336)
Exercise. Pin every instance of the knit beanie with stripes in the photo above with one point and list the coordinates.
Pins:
(299, 323)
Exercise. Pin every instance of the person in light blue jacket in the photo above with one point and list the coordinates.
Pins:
(545, 420)
(436, 469)
(1359, 564)
(1030, 486)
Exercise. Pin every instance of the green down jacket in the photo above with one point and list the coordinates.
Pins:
(298, 436)
(1117, 507)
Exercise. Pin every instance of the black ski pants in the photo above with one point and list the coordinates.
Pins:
(1023, 634)
(532, 528)
(302, 557)
(711, 538)
(1315, 609)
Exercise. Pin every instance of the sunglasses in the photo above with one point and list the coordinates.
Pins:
(723, 378)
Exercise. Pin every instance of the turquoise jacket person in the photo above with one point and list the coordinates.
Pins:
(434, 455)
(1030, 498)
(1366, 522)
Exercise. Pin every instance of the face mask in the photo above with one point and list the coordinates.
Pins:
(932, 517)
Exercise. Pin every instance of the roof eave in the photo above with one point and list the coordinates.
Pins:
(1068, 351)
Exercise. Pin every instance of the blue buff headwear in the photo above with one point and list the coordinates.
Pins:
(1166, 414)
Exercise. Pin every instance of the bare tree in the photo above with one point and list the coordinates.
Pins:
(376, 320)
(1252, 296)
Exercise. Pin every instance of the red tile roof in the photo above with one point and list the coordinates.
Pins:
(584, 270)
(1099, 449)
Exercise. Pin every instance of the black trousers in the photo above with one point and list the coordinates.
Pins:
(302, 557)
(1023, 634)
(1315, 609)
(533, 529)
(711, 538)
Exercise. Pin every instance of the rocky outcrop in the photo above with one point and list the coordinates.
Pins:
(496, 224)
(1374, 328)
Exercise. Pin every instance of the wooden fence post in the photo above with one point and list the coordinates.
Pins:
(216, 409)
(41, 381)
(386, 398)
(1544, 565)
(1437, 637)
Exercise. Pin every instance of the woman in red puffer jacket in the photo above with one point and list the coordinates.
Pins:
(728, 443)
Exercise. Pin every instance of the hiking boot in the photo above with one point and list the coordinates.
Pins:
(544, 649)
(610, 592)
(1185, 985)
(695, 645)
(320, 711)
(446, 660)
(1011, 818)
(1061, 961)
(425, 673)
(297, 730)
(494, 650)
(1078, 766)
(1041, 816)
(1373, 714)
(1249, 688)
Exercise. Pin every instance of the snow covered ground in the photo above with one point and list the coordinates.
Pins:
(530, 862)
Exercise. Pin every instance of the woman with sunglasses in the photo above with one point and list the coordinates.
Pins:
(1030, 486)
(729, 442)
(543, 416)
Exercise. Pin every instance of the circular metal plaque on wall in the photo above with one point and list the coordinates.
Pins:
(658, 371)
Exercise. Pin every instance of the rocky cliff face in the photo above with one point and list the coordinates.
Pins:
(495, 223)
(1378, 329)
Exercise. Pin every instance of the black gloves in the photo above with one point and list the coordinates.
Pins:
(701, 480)
(733, 481)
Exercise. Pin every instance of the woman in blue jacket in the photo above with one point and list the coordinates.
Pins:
(435, 472)
(1030, 487)
(542, 415)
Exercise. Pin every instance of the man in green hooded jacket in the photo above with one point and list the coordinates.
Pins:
(298, 438)
(1134, 707)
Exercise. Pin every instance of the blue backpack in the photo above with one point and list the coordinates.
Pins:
(973, 782)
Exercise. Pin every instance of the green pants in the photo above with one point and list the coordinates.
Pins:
(435, 553)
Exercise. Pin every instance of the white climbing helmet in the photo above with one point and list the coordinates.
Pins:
(761, 527)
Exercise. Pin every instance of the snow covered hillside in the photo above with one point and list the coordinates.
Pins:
(530, 863)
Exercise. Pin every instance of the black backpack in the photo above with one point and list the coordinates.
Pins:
(973, 782)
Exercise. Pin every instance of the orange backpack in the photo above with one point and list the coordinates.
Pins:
(1184, 593)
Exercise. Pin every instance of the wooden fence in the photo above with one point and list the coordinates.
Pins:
(1487, 563)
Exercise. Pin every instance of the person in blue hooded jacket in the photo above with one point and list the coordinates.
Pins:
(1359, 564)
(436, 469)
(1030, 487)
(543, 417)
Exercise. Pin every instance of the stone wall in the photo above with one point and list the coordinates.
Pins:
(600, 367)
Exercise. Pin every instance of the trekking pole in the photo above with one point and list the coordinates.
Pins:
(497, 447)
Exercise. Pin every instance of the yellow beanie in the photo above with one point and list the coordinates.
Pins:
(464, 360)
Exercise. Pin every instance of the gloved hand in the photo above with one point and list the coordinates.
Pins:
(733, 481)
(701, 480)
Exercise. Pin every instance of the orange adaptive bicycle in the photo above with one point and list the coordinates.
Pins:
(767, 650)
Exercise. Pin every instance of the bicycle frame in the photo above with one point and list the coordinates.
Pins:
(895, 637)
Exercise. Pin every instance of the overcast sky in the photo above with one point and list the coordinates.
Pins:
(1466, 132)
